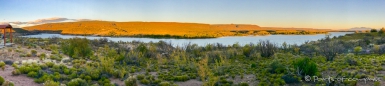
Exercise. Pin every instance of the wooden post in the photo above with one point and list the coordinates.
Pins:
(10, 30)
(4, 36)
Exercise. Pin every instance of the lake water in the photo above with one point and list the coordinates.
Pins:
(229, 40)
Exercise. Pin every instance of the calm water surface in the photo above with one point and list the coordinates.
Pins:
(242, 40)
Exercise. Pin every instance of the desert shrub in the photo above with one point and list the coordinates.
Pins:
(8, 62)
(8, 83)
(140, 76)
(33, 52)
(304, 66)
(279, 81)
(350, 60)
(131, 81)
(51, 83)
(23, 55)
(181, 78)
(104, 81)
(290, 79)
(77, 47)
(266, 48)
(50, 64)
(28, 55)
(2, 65)
(253, 65)
(142, 48)
(276, 67)
(16, 72)
(330, 49)
(24, 69)
(14, 65)
(243, 84)
(1, 80)
(382, 50)
(42, 56)
(247, 50)
(165, 83)
(145, 81)
(77, 82)
(157, 81)
(32, 74)
(9, 50)
(357, 49)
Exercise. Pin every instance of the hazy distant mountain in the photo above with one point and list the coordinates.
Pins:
(360, 29)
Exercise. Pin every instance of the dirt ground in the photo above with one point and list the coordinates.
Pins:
(13, 55)
(20, 80)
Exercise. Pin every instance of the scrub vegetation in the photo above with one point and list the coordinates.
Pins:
(105, 63)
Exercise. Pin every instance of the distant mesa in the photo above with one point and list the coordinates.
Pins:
(165, 29)
(359, 29)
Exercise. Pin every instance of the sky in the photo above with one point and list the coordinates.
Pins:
(321, 14)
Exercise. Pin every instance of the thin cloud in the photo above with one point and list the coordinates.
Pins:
(47, 20)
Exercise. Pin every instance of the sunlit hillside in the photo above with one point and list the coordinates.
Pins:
(183, 30)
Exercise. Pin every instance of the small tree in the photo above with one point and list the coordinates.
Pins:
(266, 48)
(304, 66)
(77, 47)
(381, 31)
(330, 49)
(357, 49)
(373, 30)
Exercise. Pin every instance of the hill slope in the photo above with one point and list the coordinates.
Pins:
(184, 30)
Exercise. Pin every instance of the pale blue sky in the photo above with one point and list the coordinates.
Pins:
(324, 14)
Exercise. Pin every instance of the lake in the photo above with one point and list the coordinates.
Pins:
(229, 40)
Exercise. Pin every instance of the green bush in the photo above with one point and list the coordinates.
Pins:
(357, 49)
(140, 76)
(7, 83)
(253, 65)
(77, 82)
(290, 79)
(305, 66)
(42, 56)
(28, 55)
(1, 80)
(14, 65)
(32, 74)
(156, 81)
(145, 81)
(181, 78)
(51, 83)
(164, 84)
(243, 84)
(131, 81)
(16, 72)
(2, 65)
(377, 83)
(50, 64)
(351, 61)
(266, 48)
(77, 48)
(276, 67)
(33, 52)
